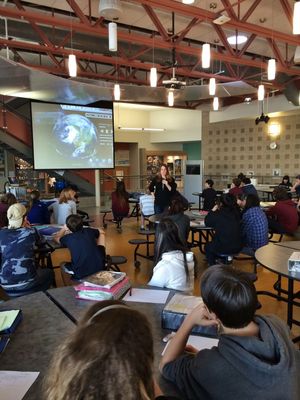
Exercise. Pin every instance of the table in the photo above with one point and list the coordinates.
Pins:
(199, 194)
(136, 208)
(293, 244)
(275, 258)
(34, 342)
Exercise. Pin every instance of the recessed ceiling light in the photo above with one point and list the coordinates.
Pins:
(239, 39)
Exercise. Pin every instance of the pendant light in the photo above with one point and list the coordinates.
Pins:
(117, 92)
(112, 36)
(171, 98)
(216, 103)
(153, 77)
(188, 1)
(212, 86)
(296, 18)
(261, 93)
(72, 66)
(271, 69)
(206, 55)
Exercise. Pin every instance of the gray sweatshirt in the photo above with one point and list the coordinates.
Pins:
(242, 368)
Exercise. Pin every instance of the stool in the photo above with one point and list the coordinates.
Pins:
(137, 243)
(247, 258)
(113, 262)
(104, 212)
(226, 259)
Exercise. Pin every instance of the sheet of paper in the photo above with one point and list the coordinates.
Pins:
(7, 318)
(15, 384)
(199, 342)
(147, 296)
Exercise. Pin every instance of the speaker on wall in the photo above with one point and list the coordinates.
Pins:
(292, 92)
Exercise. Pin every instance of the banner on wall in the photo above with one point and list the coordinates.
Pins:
(178, 169)
(153, 164)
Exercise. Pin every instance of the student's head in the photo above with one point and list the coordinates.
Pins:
(34, 196)
(74, 222)
(285, 179)
(16, 215)
(248, 201)
(280, 194)
(230, 295)
(246, 181)
(241, 176)
(66, 195)
(164, 171)
(177, 206)
(120, 187)
(9, 199)
(228, 200)
(237, 182)
(209, 183)
(298, 179)
(167, 238)
(108, 356)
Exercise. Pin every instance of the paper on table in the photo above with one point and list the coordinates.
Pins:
(147, 296)
(199, 342)
(15, 384)
(7, 319)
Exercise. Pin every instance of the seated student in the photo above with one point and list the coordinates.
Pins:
(146, 207)
(255, 230)
(38, 212)
(174, 263)
(87, 247)
(255, 357)
(209, 195)
(108, 356)
(235, 188)
(64, 207)
(283, 217)
(225, 220)
(286, 183)
(119, 201)
(296, 186)
(6, 201)
(18, 272)
(247, 187)
(176, 214)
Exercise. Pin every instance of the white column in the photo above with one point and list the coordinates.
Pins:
(97, 188)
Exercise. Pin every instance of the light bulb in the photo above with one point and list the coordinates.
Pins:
(216, 104)
(296, 18)
(271, 69)
(153, 77)
(72, 66)
(171, 98)
(206, 55)
(212, 86)
(261, 93)
(117, 92)
(188, 1)
(112, 36)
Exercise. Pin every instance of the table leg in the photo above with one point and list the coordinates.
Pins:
(290, 302)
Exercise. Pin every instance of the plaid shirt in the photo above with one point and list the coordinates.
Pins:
(255, 228)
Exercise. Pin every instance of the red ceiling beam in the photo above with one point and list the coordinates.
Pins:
(163, 33)
(246, 45)
(276, 51)
(287, 10)
(229, 9)
(78, 12)
(192, 11)
(223, 38)
(250, 10)
(186, 30)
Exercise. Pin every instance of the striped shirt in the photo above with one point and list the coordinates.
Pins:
(147, 204)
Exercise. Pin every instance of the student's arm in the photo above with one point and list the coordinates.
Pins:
(198, 316)
(101, 238)
(64, 231)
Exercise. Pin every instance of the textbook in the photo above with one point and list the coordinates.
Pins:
(9, 320)
(176, 310)
(104, 279)
(95, 293)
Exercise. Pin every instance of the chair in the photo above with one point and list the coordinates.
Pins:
(244, 257)
(104, 211)
(139, 242)
(113, 262)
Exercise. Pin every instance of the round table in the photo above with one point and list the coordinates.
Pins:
(275, 257)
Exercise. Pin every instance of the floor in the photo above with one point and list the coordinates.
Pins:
(117, 244)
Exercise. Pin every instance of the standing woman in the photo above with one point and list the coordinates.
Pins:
(64, 207)
(163, 186)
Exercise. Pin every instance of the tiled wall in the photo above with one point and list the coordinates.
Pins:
(239, 146)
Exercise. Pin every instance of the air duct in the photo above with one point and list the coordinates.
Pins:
(110, 9)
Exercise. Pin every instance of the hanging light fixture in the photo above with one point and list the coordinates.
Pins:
(171, 98)
(72, 66)
(117, 92)
(112, 36)
(261, 93)
(271, 69)
(216, 103)
(188, 1)
(206, 55)
(153, 77)
(212, 86)
(296, 18)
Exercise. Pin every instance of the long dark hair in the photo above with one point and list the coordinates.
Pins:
(34, 197)
(108, 356)
(228, 201)
(167, 239)
(168, 176)
(121, 193)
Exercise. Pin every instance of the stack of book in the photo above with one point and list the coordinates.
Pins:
(104, 285)
(9, 320)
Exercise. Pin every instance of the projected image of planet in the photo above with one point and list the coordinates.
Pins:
(75, 135)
